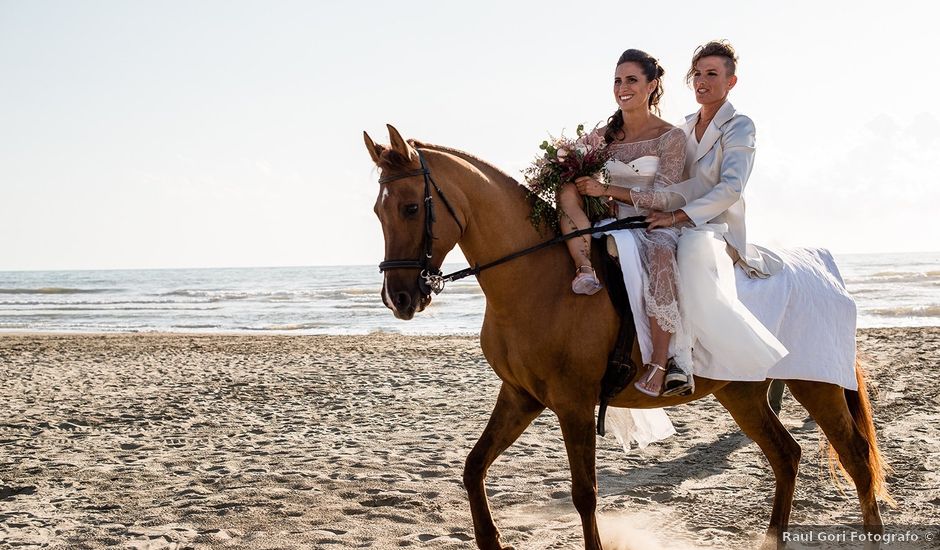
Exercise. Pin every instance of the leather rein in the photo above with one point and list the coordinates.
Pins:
(430, 277)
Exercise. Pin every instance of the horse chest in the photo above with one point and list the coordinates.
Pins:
(521, 363)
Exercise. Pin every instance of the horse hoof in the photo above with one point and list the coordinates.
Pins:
(771, 542)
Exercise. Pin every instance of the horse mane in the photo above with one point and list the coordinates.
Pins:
(389, 160)
(477, 162)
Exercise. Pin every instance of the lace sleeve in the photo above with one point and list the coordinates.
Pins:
(671, 164)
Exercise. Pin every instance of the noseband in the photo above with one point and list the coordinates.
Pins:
(430, 278)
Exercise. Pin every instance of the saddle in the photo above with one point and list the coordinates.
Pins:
(620, 366)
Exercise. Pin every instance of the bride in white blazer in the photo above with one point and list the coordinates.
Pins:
(719, 158)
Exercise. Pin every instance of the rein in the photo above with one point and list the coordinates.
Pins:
(432, 279)
(635, 222)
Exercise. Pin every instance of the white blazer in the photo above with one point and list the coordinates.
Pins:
(720, 167)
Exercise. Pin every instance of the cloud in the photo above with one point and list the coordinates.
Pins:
(870, 193)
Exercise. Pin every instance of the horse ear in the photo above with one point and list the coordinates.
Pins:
(399, 145)
(373, 149)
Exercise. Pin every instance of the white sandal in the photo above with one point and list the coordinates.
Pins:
(641, 385)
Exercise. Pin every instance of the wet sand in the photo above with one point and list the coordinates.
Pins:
(208, 441)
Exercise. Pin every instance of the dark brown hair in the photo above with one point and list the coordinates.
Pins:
(720, 48)
(653, 71)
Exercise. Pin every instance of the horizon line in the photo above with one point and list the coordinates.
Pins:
(307, 266)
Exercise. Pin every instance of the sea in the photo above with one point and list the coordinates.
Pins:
(891, 290)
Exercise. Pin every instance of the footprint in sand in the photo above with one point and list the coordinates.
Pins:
(7, 491)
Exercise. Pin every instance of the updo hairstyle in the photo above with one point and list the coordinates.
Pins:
(653, 71)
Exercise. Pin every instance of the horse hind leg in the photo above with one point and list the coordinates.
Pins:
(748, 405)
(513, 413)
(852, 436)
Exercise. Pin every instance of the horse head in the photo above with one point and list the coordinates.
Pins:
(417, 233)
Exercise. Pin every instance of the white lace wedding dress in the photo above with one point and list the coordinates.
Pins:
(698, 304)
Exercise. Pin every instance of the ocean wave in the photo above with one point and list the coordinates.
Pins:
(932, 310)
(219, 295)
(357, 291)
(237, 295)
(859, 291)
(79, 327)
(89, 302)
(57, 290)
(355, 294)
(289, 326)
(71, 307)
(930, 273)
(897, 277)
(211, 294)
(379, 306)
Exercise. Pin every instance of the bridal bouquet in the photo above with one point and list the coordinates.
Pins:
(565, 160)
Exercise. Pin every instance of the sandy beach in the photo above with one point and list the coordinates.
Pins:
(209, 441)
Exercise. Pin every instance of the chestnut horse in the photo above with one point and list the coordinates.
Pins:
(550, 347)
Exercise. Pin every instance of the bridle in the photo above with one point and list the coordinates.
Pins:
(430, 277)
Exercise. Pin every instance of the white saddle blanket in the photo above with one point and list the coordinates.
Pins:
(806, 306)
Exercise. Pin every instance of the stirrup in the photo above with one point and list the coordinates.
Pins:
(585, 282)
(650, 373)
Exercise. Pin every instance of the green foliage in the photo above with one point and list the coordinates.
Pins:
(563, 161)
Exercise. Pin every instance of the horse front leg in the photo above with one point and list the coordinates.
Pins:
(513, 413)
(577, 427)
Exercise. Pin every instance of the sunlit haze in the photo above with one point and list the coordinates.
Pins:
(210, 134)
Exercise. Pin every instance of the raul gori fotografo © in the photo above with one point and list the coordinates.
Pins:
(854, 536)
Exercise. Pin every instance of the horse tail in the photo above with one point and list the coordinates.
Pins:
(860, 407)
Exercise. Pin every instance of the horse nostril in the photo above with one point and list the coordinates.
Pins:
(402, 300)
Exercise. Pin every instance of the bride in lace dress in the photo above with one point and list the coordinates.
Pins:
(635, 133)
(646, 179)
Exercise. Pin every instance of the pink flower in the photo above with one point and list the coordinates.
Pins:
(592, 140)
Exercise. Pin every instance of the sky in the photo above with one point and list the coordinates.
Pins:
(229, 133)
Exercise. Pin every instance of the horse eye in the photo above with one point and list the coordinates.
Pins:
(411, 209)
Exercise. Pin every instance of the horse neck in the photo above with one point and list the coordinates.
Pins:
(496, 209)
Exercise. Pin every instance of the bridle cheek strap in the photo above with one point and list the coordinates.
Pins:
(430, 278)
